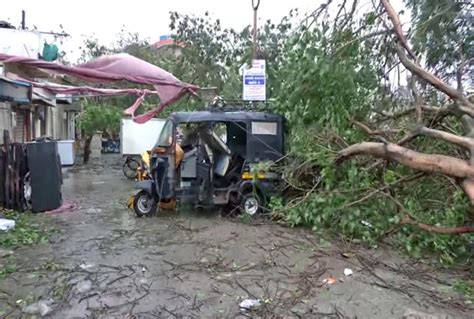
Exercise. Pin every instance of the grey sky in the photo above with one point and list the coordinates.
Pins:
(104, 18)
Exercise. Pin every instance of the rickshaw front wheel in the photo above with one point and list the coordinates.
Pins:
(251, 204)
(144, 204)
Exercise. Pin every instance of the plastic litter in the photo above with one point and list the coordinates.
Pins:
(84, 286)
(93, 211)
(248, 304)
(366, 223)
(42, 307)
(90, 267)
(6, 224)
(348, 272)
(329, 280)
(347, 255)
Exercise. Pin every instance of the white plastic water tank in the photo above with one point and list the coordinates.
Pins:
(66, 152)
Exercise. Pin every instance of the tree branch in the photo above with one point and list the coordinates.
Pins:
(430, 163)
(417, 98)
(441, 111)
(431, 79)
(402, 180)
(409, 220)
(369, 131)
(362, 38)
(461, 141)
(466, 110)
(351, 14)
(460, 70)
(414, 67)
(397, 26)
(338, 14)
(438, 229)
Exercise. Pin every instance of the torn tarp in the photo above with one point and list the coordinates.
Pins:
(119, 67)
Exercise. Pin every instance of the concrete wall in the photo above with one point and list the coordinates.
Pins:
(71, 125)
(49, 114)
(60, 124)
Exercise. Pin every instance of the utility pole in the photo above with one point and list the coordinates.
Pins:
(23, 20)
(255, 8)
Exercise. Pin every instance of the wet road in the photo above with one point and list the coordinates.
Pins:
(106, 263)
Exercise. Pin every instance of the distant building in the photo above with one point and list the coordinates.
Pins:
(165, 40)
(167, 47)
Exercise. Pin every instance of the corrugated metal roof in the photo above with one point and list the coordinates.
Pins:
(43, 96)
(15, 91)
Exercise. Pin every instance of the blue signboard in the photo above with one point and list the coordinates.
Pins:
(254, 80)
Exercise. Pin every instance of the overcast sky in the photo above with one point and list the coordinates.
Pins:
(104, 19)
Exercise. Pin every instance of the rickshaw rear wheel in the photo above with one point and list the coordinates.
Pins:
(144, 204)
(130, 167)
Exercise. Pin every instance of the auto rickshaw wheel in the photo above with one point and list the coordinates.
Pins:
(251, 204)
(130, 168)
(144, 204)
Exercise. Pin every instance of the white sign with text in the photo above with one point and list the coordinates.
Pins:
(254, 81)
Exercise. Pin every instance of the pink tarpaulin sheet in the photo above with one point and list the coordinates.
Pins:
(119, 67)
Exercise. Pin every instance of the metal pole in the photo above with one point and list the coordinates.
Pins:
(23, 22)
(255, 8)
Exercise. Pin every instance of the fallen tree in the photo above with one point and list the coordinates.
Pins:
(432, 163)
(382, 110)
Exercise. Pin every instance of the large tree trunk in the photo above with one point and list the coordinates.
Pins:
(87, 149)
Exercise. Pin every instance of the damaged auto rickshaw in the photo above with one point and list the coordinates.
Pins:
(216, 161)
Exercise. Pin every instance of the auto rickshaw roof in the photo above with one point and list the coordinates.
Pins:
(224, 116)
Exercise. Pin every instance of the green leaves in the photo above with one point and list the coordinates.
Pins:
(24, 233)
(442, 32)
(105, 118)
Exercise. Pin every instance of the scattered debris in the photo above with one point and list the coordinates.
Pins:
(93, 211)
(42, 307)
(413, 314)
(5, 253)
(329, 280)
(67, 206)
(90, 267)
(348, 272)
(366, 223)
(6, 224)
(347, 255)
(84, 286)
(249, 304)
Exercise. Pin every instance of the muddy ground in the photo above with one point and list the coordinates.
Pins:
(106, 263)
